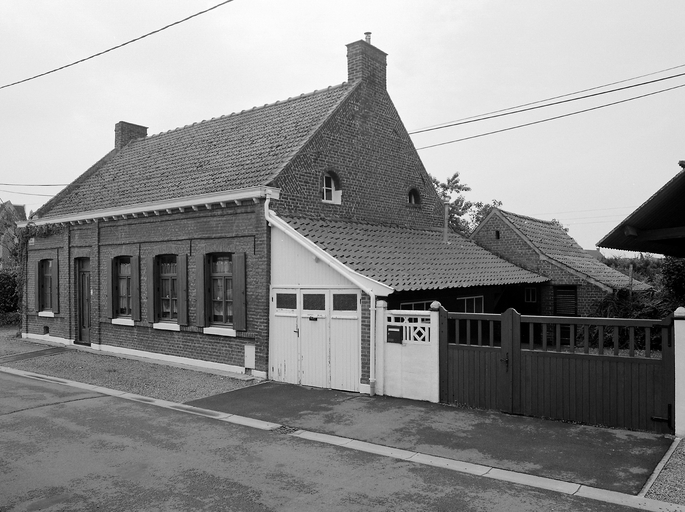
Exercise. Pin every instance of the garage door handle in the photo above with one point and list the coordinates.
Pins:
(313, 319)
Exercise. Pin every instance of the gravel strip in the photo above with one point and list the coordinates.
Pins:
(670, 485)
(131, 375)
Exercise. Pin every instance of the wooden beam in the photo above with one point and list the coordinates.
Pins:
(661, 234)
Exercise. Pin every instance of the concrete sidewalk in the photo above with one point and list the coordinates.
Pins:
(611, 459)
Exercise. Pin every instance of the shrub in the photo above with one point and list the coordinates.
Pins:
(9, 300)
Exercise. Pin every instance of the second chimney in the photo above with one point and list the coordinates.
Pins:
(126, 132)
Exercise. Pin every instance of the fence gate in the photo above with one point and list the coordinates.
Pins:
(598, 371)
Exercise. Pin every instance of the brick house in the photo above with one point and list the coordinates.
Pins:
(577, 280)
(257, 242)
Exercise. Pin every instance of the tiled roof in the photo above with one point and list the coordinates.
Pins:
(411, 259)
(551, 239)
(226, 153)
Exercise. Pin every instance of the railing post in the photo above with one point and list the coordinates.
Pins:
(441, 339)
(381, 333)
(679, 355)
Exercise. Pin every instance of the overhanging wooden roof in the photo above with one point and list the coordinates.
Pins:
(658, 226)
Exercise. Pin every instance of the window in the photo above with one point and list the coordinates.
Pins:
(331, 191)
(167, 291)
(124, 293)
(565, 301)
(423, 305)
(168, 283)
(470, 304)
(221, 292)
(222, 288)
(414, 197)
(497, 234)
(47, 286)
(531, 295)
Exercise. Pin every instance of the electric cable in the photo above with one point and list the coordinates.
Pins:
(550, 118)
(114, 47)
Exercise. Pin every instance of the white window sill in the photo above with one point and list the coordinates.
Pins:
(163, 326)
(219, 331)
(123, 321)
(46, 314)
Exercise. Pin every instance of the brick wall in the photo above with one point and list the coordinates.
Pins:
(366, 145)
(231, 229)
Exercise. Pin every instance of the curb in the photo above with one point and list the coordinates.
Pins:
(569, 488)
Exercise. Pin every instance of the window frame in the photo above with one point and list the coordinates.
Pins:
(134, 288)
(331, 183)
(155, 280)
(530, 295)
(203, 297)
(42, 294)
(473, 298)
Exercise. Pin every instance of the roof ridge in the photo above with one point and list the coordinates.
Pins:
(520, 216)
(253, 109)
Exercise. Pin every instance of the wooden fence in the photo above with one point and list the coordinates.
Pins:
(612, 372)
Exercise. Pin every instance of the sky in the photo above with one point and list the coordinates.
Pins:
(447, 60)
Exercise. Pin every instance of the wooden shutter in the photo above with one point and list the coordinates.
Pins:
(112, 289)
(201, 290)
(135, 288)
(39, 285)
(565, 302)
(239, 292)
(55, 285)
(182, 280)
(152, 295)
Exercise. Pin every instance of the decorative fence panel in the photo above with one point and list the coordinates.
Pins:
(612, 372)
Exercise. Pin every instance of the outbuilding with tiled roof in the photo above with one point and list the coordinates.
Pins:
(577, 280)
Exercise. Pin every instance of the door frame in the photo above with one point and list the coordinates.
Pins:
(80, 297)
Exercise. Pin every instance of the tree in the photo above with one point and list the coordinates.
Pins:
(673, 280)
(464, 215)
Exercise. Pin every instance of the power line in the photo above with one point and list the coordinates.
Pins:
(115, 47)
(550, 118)
(33, 185)
(548, 99)
(475, 119)
(26, 193)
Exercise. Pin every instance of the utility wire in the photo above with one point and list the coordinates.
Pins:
(26, 193)
(33, 185)
(550, 118)
(547, 99)
(475, 119)
(115, 47)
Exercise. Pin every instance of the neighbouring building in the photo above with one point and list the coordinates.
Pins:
(577, 280)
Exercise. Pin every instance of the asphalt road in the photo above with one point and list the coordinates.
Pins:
(66, 449)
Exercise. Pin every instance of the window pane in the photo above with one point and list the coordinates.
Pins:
(217, 289)
(229, 289)
(314, 301)
(229, 312)
(286, 300)
(222, 264)
(217, 311)
(345, 302)
(166, 288)
(479, 305)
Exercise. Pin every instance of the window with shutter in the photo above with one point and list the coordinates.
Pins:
(565, 301)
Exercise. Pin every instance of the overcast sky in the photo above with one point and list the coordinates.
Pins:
(447, 60)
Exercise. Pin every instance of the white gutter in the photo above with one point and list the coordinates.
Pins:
(372, 287)
(156, 207)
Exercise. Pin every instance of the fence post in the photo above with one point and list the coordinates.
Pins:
(679, 356)
(381, 323)
(443, 367)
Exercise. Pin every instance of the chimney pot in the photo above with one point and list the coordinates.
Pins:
(367, 37)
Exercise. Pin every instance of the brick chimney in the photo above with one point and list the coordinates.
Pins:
(366, 62)
(126, 132)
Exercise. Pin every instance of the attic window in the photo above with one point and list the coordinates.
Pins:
(331, 191)
(497, 234)
(414, 197)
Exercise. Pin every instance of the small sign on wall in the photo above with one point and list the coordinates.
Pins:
(32, 241)
(394, 334)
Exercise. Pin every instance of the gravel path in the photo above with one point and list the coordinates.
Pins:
(166, 382)
(181, 385)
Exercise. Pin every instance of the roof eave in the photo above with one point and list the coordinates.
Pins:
(222, 198)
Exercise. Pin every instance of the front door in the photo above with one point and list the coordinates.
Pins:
(83, 301)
